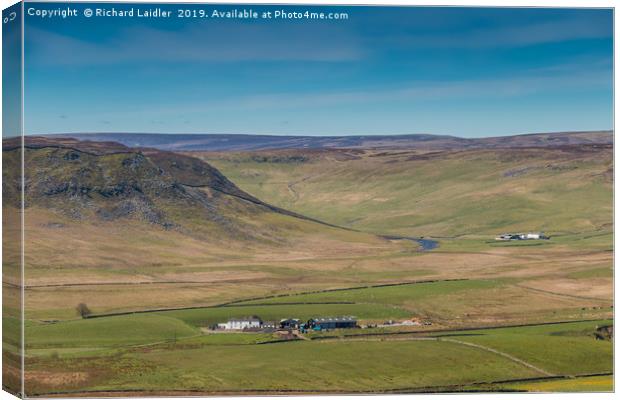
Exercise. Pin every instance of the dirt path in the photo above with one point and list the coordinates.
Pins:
(442, 339)
(168, 341)
(301, 336)
(572, 296)
(500, 353)
(291, 185)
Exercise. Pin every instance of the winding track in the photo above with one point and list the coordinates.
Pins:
(572, 296)
(500, 353)
(459, 342)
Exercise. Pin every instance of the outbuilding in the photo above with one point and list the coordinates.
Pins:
(332, 323)
(289, 323)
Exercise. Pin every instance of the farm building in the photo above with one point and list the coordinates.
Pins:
(239, 324)
(255, 323)
(535, 236)
(270, 325)
(332, 323)
(522, 236)
(290, 323)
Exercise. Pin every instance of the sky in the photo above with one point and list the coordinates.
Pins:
(11, 72)
(469, 72)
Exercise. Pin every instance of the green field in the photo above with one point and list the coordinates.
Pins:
(155, 351)
(391, 295)
(109, 332)
(308, 367)
(443, 302)
(562, 349)
(414, 362)
(161, 326)
(208, 316)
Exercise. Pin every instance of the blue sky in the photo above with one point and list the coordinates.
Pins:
(11, 72)
(468, 72)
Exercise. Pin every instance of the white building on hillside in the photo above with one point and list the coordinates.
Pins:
(522, 236)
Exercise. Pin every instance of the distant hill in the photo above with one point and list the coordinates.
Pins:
(105, 182)
(244, 142)
(566, 188)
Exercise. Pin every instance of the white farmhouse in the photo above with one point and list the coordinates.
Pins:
(240, 324)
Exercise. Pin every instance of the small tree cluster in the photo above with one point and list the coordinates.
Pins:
(83, 310)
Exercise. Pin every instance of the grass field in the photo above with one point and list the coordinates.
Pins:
(115, 331)
(393, 295)
(153, 327)
(208, 316)
(562, 349)
(381, 363)
(308, 367)
(462, 302)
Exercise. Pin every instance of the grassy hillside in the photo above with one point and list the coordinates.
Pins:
(121, 229)
(449, 193)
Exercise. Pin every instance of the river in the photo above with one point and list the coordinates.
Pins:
(427, 244)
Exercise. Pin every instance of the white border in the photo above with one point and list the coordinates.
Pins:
(479, 3)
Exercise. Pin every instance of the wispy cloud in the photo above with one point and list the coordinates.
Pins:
(563, 78)
(235, 42)
(199, 42)
(525, 34)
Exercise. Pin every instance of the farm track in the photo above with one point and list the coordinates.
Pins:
(290, 186)
(500, 353)
(572, 296)
(441, 339)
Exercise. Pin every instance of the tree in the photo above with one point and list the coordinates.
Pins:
(83, 310)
